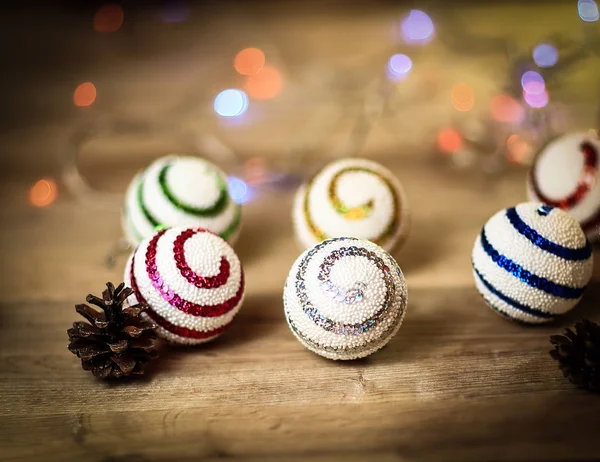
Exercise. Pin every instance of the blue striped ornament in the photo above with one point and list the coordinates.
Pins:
(180, 191)
(532, 262)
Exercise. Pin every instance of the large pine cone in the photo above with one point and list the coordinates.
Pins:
(578, 354)
(116, 342)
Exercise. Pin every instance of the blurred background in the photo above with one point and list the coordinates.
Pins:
(93, 91)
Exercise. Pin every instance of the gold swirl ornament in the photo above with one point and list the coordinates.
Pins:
(359, 212)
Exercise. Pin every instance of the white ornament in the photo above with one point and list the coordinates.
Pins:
(351, 197)
(565, 175)
(345, 298)
(191, 279)
(532, 262)
(180, 191)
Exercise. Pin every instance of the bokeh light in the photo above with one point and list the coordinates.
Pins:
(463, 97)
(239, 190)
(588, 10)
(536, 100)
(545, 55)
(399, 66)
(249, 61)
(449, 140)
(108, 18)
(533, 83)
(174, 11)
(264, 85)
(506, 109)
(417, 27)
(43, 193)
(519, 150)
(84, 94)
(231, 103)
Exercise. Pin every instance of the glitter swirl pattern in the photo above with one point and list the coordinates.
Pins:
(345, 298)
(565, 175)
(191, 279)
(180, 191)
(351, 197)
(313, 312)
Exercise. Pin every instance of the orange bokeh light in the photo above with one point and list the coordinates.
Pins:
(518, 149)
(506, 109)
(463, 97)
(43, 193)
(449, 140)
(108, 18)
(264, 85)
(84, 94)
(249, 61)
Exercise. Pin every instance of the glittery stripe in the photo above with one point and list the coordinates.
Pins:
(582, 253)
(162, 322)
(583, 187)
(389, 231)
(207, 282)
(140, 197)
(182, 331)
(353, 350)
(328, 324)
(527, 277)
(233, 226)
(175, 300)
(350, 213)
(211, 211)
(510, 301)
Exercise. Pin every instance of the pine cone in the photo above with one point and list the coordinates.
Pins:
(578, 354)
(116, 342)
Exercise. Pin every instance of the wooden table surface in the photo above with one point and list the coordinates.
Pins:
(456, 383)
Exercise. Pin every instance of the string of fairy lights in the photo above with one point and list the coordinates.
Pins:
(518, 119)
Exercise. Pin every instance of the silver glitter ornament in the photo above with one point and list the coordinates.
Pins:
(345, 298)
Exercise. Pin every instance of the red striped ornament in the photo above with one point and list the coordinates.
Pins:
(192, 280)
(565, 175)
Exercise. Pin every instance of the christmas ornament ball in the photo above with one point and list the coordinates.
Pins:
(345, 298)
(191, 279)
(351, 197)
(180, 191)
(532, 262)
(565, 175)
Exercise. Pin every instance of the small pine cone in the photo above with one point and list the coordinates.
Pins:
(578, 354)
(116, 342)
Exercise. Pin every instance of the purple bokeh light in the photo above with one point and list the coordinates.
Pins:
(533, 83)
(399, 66)
(536, 100)
(545, 55)
(417, 28)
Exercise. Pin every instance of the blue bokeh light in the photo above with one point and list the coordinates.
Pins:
(588, 10)
(545, 55)
(536, 100)
(231, 103)
(417, 27)
(175, 11)
(399, 66)
(239, 190)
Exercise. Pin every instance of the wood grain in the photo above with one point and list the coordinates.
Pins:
(457, 383)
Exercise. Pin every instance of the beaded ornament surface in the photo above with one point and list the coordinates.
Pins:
(191, 279)
(345, 298)
(532, 262)
(565, 175)
(180, 191)
(351, 197)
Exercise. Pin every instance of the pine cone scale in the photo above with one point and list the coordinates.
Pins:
(115, 342)
(578, 354)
